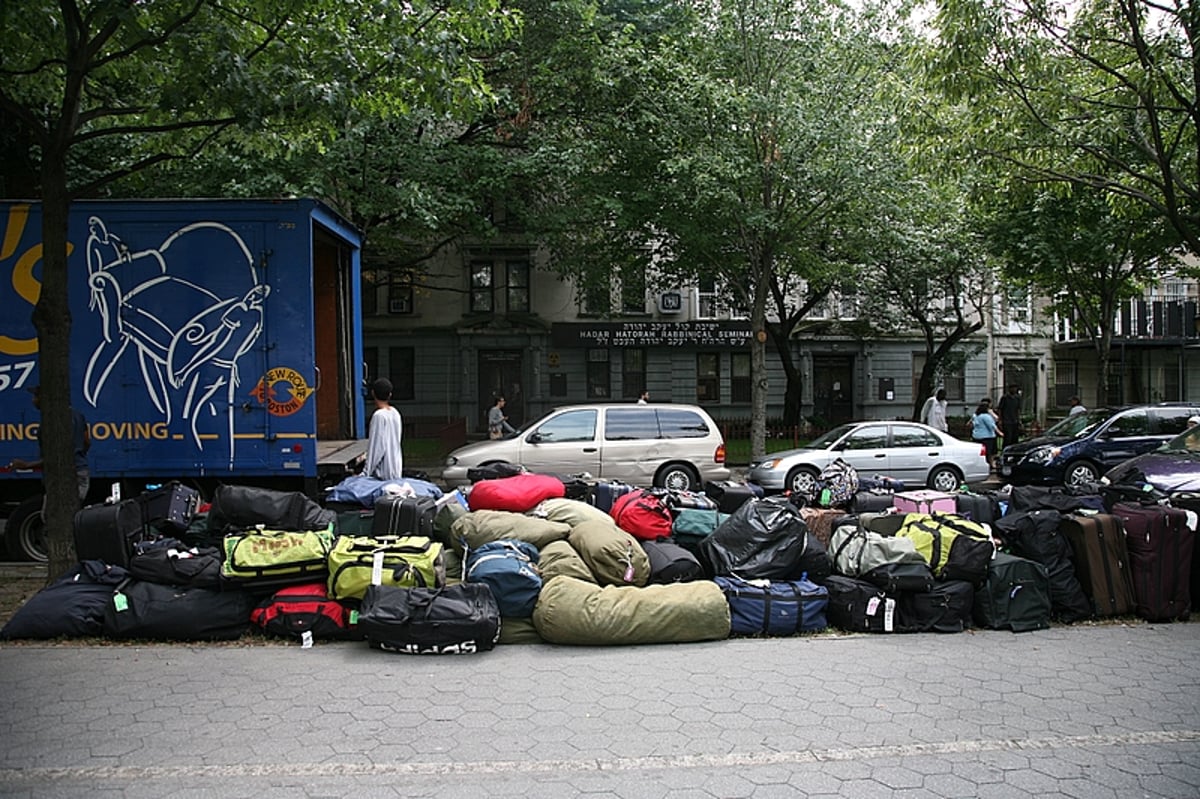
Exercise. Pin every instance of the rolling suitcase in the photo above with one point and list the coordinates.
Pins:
(1101, 562)
(976, 507)
(1160, 547)
(171, 506)
(1191, 502)
(404, 516)
(109, 532)
(605, 494)
(729, 495)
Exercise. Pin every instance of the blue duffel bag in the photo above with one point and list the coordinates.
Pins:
(508, 568)
(774, 607)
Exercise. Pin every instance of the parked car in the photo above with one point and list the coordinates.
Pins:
(908, 451)
(1172, 468)
(676, 446)
(1082, 447)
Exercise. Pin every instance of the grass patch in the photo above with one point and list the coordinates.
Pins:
(737, 450)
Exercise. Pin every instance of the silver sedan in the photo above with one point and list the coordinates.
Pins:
(914, 453)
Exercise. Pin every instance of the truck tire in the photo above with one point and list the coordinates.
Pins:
(25, 532)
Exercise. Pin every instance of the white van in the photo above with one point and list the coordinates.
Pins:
(674, 446)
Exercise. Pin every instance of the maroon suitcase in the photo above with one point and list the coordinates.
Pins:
(1101, 562)
(1160, 548)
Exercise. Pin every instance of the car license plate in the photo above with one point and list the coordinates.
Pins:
(1006, 470)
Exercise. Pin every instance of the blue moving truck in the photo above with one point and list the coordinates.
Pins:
(211, 341)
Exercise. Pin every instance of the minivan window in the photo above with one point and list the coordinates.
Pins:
(1169, 421)
(1134, 423)
(1079, 424)
(629, 424)
(570, 426)
(680, 423)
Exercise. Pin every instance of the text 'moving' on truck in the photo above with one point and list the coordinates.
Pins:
(211, 341)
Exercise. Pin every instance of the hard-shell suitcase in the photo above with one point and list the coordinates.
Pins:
(170, 507)
(1101, 562)
(109, 532)
(1191, 502)
(605, 494)
(404, 516)
(1160, 546)
(729, 495)
(924, 501)
(1015, 596)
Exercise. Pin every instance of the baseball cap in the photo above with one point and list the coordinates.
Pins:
(1194, 420)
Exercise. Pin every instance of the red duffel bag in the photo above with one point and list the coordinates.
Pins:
(642, 514)
(519, 493)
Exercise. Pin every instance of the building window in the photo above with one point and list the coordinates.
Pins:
(706, 298)
(633, 372)
(597, 374)
(400, 293)
(402, 372)
(596, 300)
(950, 378)
(633, 291)
(481, 287)
(517, 285)
(708, 377)
(1066, 382)
(739, 377)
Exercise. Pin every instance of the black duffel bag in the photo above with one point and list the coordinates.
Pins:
(452, 620)
(237, 507)
(140, 609)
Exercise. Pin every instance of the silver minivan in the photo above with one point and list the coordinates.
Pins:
(675, 446)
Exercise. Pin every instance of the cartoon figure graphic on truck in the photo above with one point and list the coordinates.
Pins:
(193, 361)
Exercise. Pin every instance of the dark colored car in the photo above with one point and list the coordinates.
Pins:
(1084, 446)
(1172, 468)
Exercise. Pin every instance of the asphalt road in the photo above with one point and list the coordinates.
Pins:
(1106, 711)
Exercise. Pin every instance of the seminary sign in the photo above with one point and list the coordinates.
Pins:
(651, 334)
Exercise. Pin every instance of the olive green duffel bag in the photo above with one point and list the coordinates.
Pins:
(276, 557)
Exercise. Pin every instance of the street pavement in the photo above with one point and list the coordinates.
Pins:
(1093, 711)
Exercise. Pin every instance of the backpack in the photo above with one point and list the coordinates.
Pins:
(837, 484)
(643, 514)
(509, 568)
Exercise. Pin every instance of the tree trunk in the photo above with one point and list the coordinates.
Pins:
(52, 320)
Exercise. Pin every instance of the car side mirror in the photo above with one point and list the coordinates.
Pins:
(534, 438)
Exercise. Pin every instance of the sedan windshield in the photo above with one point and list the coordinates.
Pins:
(1079, 424)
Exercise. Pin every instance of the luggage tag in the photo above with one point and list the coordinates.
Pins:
(120, 602)
(377, 568)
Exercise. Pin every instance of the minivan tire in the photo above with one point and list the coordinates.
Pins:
(677, 477)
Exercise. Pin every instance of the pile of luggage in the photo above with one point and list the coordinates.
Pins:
(519, 557)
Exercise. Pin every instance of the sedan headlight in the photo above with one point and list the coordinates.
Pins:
(1043, 455)
(767, 464)
(451, 460)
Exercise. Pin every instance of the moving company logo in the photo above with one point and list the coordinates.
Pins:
(278, 383)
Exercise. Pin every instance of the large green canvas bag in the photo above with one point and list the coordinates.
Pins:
(276, 557)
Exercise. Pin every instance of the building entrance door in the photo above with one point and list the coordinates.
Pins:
(833, 388)
(1023, 374)
(500, 376)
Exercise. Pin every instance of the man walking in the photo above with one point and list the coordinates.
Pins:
(1010, 416)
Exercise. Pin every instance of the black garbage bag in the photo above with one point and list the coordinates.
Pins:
(765, 539)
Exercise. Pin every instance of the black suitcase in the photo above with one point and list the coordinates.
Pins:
(671, 563)
(109, 532)
(876, 500)
(858, 606)
(1161, 546)
(976, 507)
(730, 495)
(944, 609)
(404, 516)
(170, 508)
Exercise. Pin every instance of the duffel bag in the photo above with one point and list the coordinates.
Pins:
(169, 613)
(478, 527)
(276, 557)
(643, 514)
(774, 607)
(518, 493)
(168, 561)
(1015, 596)
(402, 561)
(858, 553)
(955, 548)
(945, 608)
(247, 507)
(671, 563)
(451, 620)
(614, 556)
(690, 526)
(306, 612)
(509, 568)
(858, 606)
